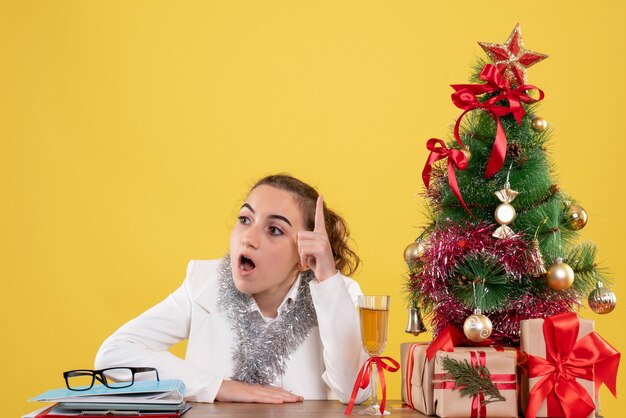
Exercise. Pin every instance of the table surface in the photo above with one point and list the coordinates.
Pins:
(317, 409)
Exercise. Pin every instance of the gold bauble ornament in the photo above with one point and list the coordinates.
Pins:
(539, 124)
(576, 217)
(477, 327)
(413, 252)
(602, 300)
(467, 153)
(560, 276)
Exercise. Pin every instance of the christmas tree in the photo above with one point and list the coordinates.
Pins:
(502, 244)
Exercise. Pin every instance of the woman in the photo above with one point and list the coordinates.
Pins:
(274, 321)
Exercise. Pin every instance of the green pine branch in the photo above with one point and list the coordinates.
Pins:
(470, 380)
(581, 258)
(481, 282)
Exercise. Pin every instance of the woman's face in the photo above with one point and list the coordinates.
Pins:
(263, 247)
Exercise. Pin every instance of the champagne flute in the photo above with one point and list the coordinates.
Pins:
(374, 314)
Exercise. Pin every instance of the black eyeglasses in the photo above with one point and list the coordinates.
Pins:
(113, 377)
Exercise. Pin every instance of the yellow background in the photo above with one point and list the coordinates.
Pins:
(131, 131)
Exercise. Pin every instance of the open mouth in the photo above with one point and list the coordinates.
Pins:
(246, 264)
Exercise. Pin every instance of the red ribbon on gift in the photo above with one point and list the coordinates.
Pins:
(479, 400)
(409, 375)
(568, 359)
(465, 97)
(479, 409)
(449, 338)
(365, 375)
(456, 160)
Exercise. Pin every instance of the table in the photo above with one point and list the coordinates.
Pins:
(312, 409)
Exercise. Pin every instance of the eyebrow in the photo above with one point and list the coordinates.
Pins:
(279, 217)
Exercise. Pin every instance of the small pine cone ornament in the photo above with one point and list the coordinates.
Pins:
(513, 151)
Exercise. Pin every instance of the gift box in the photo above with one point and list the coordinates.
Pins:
(565, 362)
(417, 374)
(417, 377)
(448, 402)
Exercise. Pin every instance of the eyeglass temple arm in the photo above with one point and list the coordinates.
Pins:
(147, 369)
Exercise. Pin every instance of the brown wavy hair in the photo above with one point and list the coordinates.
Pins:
(346, 260)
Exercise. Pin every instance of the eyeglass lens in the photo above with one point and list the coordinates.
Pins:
(119, 377)
(116, 377)
(80, 380)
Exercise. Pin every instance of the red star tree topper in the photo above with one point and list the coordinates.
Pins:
(511, 59)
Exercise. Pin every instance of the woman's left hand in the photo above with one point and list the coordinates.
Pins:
(314, 248)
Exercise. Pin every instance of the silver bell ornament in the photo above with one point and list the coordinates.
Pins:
(415, 324)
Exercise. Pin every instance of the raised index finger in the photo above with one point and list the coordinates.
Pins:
(320, 225)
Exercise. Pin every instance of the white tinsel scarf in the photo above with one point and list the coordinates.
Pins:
(260, 349)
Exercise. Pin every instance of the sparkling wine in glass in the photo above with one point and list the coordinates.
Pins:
(374, 314)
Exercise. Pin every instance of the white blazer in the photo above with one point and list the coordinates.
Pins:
(325, 365)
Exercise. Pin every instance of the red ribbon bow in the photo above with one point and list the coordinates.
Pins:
(456, 159)
(364, 377)
(465, 98)
(568, 359)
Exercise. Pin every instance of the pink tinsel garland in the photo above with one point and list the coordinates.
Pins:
(448, 245)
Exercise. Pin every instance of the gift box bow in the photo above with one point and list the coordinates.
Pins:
(568, 359)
